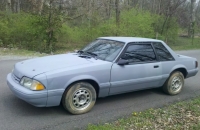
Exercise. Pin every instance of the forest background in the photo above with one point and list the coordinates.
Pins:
(53, 25)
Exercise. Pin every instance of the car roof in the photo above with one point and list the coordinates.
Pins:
(130, 39)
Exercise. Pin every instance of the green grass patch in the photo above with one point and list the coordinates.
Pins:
(183, 43)
(19, 52)
(179, 116)
(180, 44)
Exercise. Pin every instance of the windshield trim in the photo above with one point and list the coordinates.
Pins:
(110, 40)
(118, 56)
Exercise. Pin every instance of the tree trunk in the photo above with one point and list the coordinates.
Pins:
(128, 4)
(37, 5)
(40, 6)
(18, 6)
(159, 7)
(168, 16)
(109, 9)
(192, 19)
(15, 6)
(163, 26)
(34, 5)
(153, 7)
(8, 6)
(50, 29)
(117, 15)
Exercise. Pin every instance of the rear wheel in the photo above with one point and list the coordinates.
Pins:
(79, 98)
(174, 84)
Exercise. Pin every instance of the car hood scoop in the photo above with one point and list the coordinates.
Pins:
(33, 67)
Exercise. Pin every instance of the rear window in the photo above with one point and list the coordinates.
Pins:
(162, 52)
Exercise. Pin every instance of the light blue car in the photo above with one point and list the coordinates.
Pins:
(107, 66)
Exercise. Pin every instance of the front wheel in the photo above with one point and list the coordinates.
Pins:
(79, 98)
(174, 84)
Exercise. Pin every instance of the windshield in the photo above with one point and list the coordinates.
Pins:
(104, 49)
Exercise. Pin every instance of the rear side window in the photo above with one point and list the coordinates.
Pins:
(139, 53)
(162, 52)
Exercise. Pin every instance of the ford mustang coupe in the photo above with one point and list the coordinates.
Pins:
(107, 66)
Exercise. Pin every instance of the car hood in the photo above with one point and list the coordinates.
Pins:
(33, 67)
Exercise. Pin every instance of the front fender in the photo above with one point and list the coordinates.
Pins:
(79, 78)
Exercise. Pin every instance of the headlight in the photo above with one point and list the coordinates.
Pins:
(31, 84)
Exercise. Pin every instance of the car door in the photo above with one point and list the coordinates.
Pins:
(142, 71)
(166, 59)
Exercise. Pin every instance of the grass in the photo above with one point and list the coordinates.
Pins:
(19, 52)
(22, 52)
(183, 43)
(180, 116)
(180, 44)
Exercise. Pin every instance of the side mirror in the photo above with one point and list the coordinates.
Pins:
(123, 62)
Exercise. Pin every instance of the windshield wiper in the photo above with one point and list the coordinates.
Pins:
(87, 52)
(91, 53)
(81, 52)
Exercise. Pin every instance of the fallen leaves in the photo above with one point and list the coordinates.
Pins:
(180, 116)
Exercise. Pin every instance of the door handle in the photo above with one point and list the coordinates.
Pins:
(156, 66)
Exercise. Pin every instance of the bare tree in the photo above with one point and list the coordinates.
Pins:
(37, 5)
(8, 5)
(172, 7)
(15, 5)
(117, 14)
(192, 19)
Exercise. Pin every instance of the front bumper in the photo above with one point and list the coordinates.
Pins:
(35, 98)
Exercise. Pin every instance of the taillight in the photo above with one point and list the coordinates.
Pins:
(196, 64)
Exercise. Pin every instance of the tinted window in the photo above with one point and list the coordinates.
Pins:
(139, 53)
(162, 52)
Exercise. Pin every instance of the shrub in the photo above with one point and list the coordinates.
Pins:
(28, 31)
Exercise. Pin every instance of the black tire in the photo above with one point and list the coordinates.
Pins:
(79, 98)
(174, 83)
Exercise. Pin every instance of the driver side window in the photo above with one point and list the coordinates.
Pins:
(139, 53)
